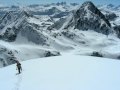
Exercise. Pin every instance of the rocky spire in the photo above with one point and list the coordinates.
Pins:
(89, 17)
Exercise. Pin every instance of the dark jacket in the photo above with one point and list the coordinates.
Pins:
(18, 65)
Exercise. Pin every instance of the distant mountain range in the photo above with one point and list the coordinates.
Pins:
(48, 30)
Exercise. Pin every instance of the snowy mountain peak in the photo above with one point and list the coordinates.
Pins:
(12, 16)
(86, 17)
(88, 4)
(11, 24)
(89, 10)
(89, 17)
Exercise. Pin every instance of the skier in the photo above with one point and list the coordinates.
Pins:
(19, 68)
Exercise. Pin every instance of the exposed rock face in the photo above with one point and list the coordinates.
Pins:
(48, 54)
(89, 17)
(57, 25)
(111, 16)
(13, 24)
(96, 54)
(33, 35)
(86, 17)
(7, 56)
(10, 25)
(117, 30)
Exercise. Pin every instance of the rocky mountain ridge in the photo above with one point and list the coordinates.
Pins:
(48, 30)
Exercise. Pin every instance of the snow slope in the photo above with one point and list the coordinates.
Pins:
(67, 72)
(77, 42)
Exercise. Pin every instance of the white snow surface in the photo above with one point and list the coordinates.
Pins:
(66, 72)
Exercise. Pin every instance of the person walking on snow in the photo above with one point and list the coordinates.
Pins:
(19, 67)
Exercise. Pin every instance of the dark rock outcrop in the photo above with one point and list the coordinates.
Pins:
(96, 54)
(89, 17)
(111, 16)
(7, 56)
(117, 30)
(48, 54)
(13, 24)
(10, 24)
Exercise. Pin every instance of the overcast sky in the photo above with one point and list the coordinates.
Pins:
(27, 2)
